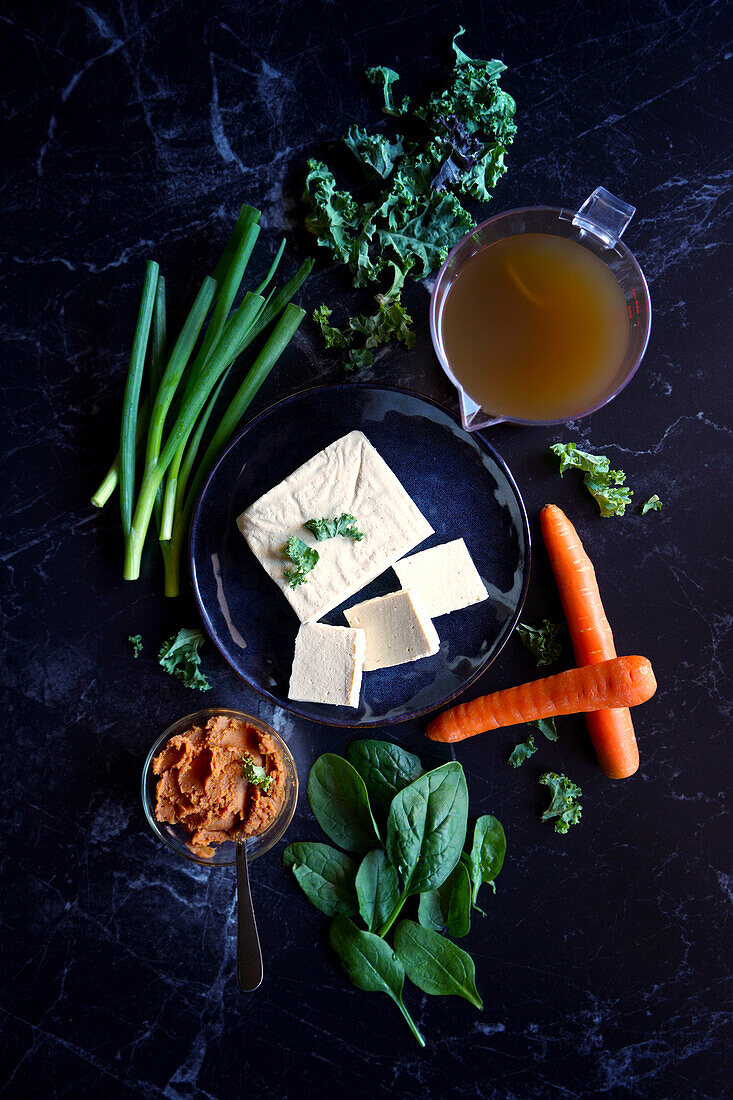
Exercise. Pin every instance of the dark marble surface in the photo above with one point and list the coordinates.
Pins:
(139, 128)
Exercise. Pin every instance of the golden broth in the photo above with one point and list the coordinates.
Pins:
(535, 327)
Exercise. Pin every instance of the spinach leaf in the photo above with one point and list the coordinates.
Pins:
(340, 803)
(377, 889)
(449, 906)
(385, 768)
(486, 857)
(325, 875)
(426, 828)
(371, 964)
(434, 964)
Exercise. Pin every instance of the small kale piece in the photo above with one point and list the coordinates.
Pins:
(543, 642)
(256, 774)
(334, 215)
(546, 726)
(384, 77)
(180, 657)
(603, 483)
(358, 359)
(344, 524)
(136, 642)
(564, 805)
(522, 751)
(332, 337)
(375, 152)
(303, 557)
(654, 504)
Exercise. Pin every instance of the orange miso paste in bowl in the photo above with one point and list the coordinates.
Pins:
(535, 327)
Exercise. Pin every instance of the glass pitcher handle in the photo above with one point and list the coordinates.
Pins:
(605, 216)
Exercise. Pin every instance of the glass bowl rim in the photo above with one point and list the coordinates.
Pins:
(278, 826)
(622, 248)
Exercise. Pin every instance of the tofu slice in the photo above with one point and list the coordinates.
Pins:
(398, 629)
(347, 476)
(327, 665)
(445, 577)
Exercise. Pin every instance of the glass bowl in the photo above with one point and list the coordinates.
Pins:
(175, 836)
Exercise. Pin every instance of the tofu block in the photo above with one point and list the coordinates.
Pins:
(445, 577)
(327, 665)
(347, 476)
(398, 629)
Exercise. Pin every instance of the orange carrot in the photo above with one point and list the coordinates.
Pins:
(611, 731)
(621, 682)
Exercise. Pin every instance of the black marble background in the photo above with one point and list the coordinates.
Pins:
(138, 129)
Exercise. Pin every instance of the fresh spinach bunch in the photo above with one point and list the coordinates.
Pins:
(408, 827)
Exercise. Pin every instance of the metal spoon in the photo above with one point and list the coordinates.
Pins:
(249, 953)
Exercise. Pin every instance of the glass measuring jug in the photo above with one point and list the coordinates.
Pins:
(597, 228)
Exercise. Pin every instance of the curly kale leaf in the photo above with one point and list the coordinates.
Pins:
(375, 152)
(344, 524)
(603, 483)
(363, 333)
(543, 641)
(654, 504)
(256, 774)
(522, 751)
(136, 642)
(334, 215)
(180, 657)
(303, 557)
(385, 78)
(564, 805)
(546, 726)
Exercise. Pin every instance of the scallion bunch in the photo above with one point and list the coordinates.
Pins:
(159, 467)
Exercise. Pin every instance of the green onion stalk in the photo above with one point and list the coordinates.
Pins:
(279, 339)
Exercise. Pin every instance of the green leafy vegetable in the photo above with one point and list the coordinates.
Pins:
(136, 642)
(603, 483)
(375, 152)
(486, 857)
(385, 78)
(340, 803)
(411, 215)
(522, 751)
(370, 964)
(434, 964)
(256, 774)
(448, 907)
(564, 805)
(546, 726)
(325, 875)
(426, 829)
(543, 642)
(421, 854)
(303, 557)
(329, 528)
(654, 504)
(385, 768)
(377, 889)
(180, 657)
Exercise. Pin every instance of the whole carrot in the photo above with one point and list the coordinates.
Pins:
(611, 731)
(621, 682)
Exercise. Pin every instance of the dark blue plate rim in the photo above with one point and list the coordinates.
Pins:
(410, 716)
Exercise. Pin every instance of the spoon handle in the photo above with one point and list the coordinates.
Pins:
(249, 953)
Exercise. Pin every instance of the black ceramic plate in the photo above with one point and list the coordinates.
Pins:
(458, 482)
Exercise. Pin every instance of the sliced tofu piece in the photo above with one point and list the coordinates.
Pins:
(347, 476)
(398, 629)
(328, 664)
(445, 577)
